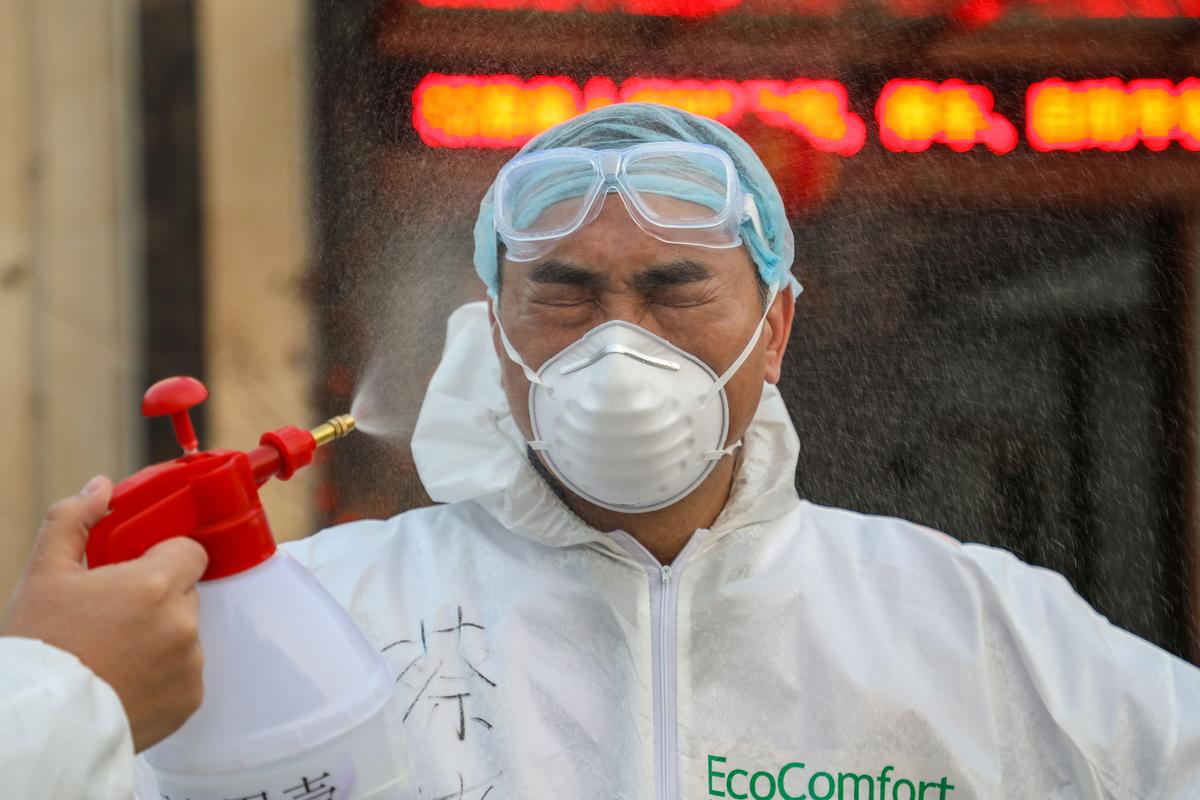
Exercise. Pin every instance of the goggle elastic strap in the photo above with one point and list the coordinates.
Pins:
(751, 210)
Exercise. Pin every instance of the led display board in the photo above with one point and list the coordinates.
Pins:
(912, 115)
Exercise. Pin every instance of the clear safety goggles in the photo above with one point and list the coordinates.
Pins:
(679, 192)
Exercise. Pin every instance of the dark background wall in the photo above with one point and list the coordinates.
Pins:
(995, 347)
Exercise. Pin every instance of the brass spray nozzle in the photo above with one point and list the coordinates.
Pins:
(334, 428)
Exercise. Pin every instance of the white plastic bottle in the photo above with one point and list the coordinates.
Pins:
(294, 702)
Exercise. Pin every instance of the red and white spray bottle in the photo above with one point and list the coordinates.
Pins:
(294, 696)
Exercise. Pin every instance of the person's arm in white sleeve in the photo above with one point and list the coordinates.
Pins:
(63, 731)
(94, 664)
(1128, 710)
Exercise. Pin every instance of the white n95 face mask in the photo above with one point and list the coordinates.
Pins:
(627, 420)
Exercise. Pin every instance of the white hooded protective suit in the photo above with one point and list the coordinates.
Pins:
(63, 732)
(791, 651)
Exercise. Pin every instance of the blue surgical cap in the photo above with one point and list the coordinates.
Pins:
(625, 124)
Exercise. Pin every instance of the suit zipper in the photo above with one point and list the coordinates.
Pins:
(663, 582)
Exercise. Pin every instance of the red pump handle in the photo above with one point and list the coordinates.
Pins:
(174, 396)
(209, 496)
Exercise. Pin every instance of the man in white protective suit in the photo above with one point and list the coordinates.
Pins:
(623, 596)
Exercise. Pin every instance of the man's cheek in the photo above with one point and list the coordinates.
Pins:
(745, 392)
(516, 390)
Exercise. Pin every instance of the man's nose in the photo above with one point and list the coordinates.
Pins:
(627, 305)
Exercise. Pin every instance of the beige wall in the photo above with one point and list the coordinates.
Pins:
(70, 290)
(68, 308)
(254, 83)
(16, 292)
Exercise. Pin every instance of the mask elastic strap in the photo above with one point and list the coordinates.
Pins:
(741, 359)
(536, 444)
(530, 375)
(713, 455)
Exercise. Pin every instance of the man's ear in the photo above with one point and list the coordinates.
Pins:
(777, 332)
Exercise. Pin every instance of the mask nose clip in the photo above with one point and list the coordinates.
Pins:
(619, 349)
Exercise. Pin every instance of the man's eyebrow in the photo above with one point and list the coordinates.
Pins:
(673, 273)
(556, 271)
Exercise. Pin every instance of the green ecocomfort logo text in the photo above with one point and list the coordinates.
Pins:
(794, 781)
